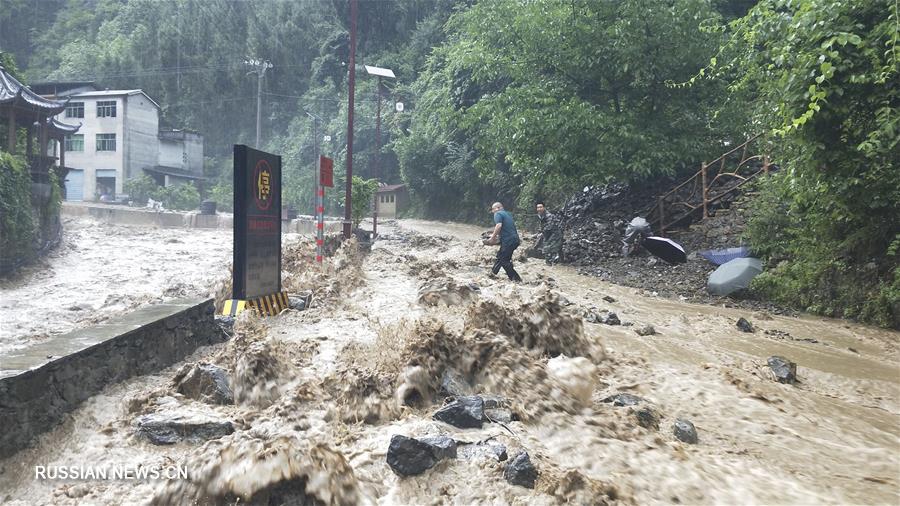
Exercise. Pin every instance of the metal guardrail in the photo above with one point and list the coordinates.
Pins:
(714, 181)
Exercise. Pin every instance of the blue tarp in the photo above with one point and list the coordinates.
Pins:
(721, 256)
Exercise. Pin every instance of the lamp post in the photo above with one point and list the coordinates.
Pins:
(380, 72)
(351, 85)
(259, 68)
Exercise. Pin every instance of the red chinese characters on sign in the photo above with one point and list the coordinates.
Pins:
(326, 171)
(262, 185)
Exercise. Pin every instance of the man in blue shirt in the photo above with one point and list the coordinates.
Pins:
(505, 229)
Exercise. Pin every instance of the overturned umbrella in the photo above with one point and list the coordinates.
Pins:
(666, 249)
(733, 276)
(721, 256)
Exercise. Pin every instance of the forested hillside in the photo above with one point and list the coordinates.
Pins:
(516, 100)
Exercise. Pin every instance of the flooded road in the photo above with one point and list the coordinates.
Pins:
(320, 393)
(102, 270)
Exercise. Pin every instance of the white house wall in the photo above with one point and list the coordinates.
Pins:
(90, 160)
(141, 136)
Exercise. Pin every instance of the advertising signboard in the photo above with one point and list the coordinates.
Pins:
(257, 223)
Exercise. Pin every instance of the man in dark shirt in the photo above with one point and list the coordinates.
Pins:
(505, 230)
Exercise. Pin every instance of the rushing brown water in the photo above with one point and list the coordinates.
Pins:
(317, 396)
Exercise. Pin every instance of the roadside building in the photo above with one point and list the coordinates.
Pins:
(119, 140)
(391, 200)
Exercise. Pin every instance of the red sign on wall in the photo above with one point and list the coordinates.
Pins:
(326, 171)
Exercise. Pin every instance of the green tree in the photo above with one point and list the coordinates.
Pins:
(363, 194)
(825, 75)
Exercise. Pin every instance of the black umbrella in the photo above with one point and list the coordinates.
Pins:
(667, 249)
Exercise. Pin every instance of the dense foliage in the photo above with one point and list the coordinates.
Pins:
(826, 73)
(17, 224)
(363, 198)
(183, 197)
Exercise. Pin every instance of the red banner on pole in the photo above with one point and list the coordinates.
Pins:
(326, 171)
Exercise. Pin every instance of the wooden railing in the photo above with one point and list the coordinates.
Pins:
(714, 182)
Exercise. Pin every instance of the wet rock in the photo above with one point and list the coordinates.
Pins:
(489, 449)
(498, 415)
(646, 330)
(494, 401)
(304, 301)
(610, 319)
(520, 471)
(647, 418)
(623, 400)
(442, 447)
(685, 431)
(744, 326)
(408, 457)
(453, 384)
(171, 428)
(785, 370)
(609, 299)
(206, 383)
(463, 412)
(225, 322)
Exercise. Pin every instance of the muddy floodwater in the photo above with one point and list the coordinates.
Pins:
(318, 394)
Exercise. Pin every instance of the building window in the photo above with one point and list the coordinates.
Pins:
(106, 108)
(106, 142)
(75, 142)
(75, 110)
(392, 199)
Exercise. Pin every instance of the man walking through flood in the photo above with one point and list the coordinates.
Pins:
(505, 231)
(551, 240)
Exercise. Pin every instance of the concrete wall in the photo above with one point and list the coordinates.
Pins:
(141, 135)
(36, 392)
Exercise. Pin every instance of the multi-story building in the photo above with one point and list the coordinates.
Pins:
(119, 140)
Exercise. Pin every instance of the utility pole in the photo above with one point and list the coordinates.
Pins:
(376, 165)
(259, 68)
(316, 150)
(348, 224)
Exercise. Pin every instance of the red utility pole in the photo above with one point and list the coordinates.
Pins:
(352, 85)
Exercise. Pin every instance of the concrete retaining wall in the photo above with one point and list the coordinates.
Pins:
(36, 391)
(121, 215)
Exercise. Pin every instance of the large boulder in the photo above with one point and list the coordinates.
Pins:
(685, 431)
(171, 428)
(520, 471)
(407, 456)
(785, 370)
(463, 412)
(206, 383)
(453, 384)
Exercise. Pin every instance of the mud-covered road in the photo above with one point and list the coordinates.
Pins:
(318, 394)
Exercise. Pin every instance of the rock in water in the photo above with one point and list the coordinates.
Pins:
(171, 428)
(610, 319)
(646, 330)
(207, 383)
(454, 385)
(785, 370)
(409, 457)
(647, 418)
(442, 447)
(464, 412)
(489, 449)
(744, 326)
(685, 431)
(520, 471)
(498, 415)
(623, 400)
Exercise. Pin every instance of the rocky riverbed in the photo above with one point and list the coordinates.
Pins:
(416, 379)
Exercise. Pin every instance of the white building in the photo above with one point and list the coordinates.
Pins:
(119, 139)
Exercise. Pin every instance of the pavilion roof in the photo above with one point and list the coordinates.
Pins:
(14, 93)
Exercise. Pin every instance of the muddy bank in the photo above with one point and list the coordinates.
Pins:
(318, 395)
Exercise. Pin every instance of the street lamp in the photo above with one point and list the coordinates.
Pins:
(380, 72)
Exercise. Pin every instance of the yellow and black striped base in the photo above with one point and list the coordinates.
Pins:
(267, 305)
